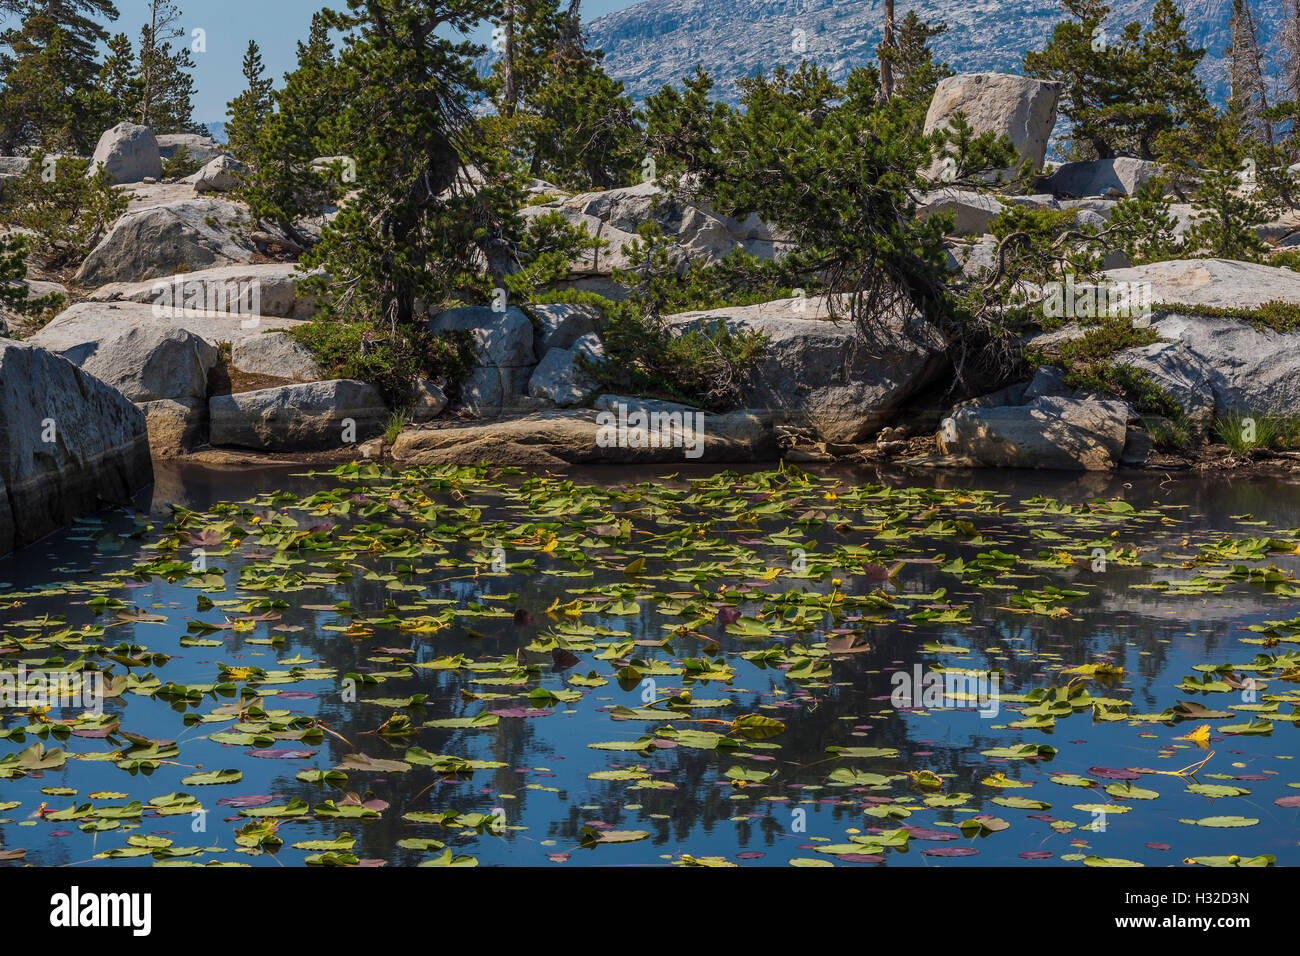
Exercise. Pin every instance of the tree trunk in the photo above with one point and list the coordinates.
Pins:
(148, 65)
(510, 98)
(1248, 90)
(571, 39)
(887, 45)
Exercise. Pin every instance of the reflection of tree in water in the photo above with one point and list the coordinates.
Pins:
(702, 805)
(1132, 629)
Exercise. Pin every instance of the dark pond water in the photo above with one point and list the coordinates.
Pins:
(799, 601)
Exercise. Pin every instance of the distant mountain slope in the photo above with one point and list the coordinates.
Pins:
(660, 41)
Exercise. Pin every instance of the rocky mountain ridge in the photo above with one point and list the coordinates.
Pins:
(659, 41)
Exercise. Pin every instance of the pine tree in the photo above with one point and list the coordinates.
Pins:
(78, 19)
(509, 79)
(567, 121)
(64, 214)
(1080, 55)
(1290, 85)
(1228, 214)
(886, 53)
(1248, 105)
(910, 61)
(48, 73)
(683, 127)
(118, 82)
(13, 287)
(1126, 91)
(1285, 113)
(1176, 114)
(282, 187)
(409, 234)
(247, 112)
(165, 74)
(837, 171)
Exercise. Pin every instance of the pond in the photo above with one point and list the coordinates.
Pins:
(616, 667)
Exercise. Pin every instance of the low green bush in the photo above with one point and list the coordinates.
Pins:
(390, 361)
(66, 211)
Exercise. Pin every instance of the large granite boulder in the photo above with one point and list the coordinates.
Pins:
(1185, 215)
(276, 355)
(817, 373)
(559, 376)
(129, 153)
(1212, 366)
(11, 168)
(221, 175)
(1101, 177)
(92, 321)
(266, 289)
(317, 416)
(428, 401)
(175, 426)
(1019, 107)
(505, 356)
(181, 236)
(69, 444)
(145, 362)
(1067, 434)
(559, 326)
(972, 212)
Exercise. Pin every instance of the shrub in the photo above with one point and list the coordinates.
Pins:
(1273, 316)
(390, 361)
(180, 164)
(67, 211)
(1086, 363)
(697, 366)
(1131, 384)
(396, 422)
(1102, 341)
(1169, 434)
(13, 271)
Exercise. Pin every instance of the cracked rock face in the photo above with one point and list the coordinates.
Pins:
(504, 352)
(69, 444)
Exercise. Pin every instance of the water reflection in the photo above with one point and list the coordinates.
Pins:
(545, 788)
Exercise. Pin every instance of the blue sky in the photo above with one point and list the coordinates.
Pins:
(276, 25)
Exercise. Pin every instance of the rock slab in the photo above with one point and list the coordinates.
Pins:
(317, 416)
(815, 373)
(69, 445)
(1058, 433)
